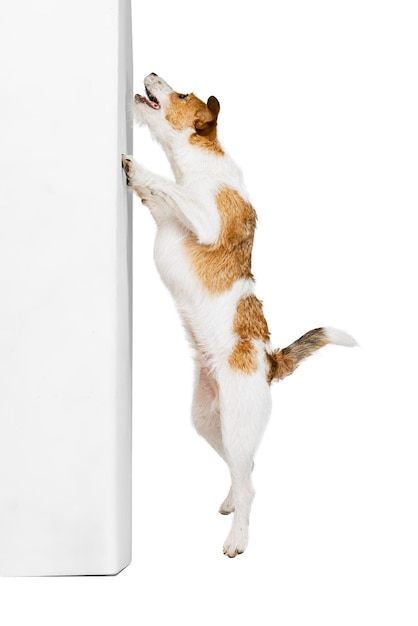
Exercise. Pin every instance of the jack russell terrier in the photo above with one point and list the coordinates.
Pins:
(205, 230)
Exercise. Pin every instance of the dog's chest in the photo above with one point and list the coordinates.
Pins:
(172, 261)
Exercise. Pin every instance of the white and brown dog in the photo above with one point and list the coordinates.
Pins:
(203, 253)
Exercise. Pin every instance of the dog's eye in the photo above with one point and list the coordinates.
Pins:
(183, 95)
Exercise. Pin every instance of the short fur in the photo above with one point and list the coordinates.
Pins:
(203, 250)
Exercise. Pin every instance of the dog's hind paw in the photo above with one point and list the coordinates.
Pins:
(227, 505)
(232, 549)
(236, 541)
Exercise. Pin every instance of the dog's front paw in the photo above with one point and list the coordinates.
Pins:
(129, 167)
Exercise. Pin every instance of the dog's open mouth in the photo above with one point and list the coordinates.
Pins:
(151, 100)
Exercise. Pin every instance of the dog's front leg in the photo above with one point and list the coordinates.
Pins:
(167, 199)
(139, 180)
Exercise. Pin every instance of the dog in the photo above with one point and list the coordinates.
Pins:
(205, 230)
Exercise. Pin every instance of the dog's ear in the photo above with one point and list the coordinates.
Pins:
(205, 124)
(214, 106)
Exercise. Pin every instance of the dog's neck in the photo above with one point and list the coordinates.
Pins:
(190, 157)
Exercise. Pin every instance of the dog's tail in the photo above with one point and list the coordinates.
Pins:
(284, 362)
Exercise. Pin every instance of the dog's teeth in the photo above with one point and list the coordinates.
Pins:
(151, 96)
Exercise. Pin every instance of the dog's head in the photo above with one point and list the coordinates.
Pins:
(169, 113)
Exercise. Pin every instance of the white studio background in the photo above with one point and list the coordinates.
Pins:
(319, 106)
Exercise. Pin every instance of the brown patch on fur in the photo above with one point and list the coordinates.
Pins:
(280, 365)
(249, 324)
(244, 357)
(249, 321)
(191, 112)
(284, 362)
(219, 265)
(206, 143)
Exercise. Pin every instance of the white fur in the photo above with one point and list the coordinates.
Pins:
(230, 408)
(340, 337)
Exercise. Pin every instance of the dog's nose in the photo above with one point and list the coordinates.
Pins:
(153, 74)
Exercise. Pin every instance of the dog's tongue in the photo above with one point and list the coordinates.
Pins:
(150, 103)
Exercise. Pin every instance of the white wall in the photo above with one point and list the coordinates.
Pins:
(65, 288)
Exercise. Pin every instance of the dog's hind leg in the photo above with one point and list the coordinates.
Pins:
(206, 419)
(245, 408)
(205, 409)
